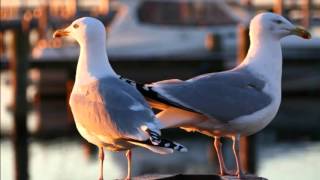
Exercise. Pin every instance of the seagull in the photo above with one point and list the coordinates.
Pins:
(108, 112)
(233, 103)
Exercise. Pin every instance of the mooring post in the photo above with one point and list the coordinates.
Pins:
(306, 6)
(247, 144)
(43, 21)
(19, 67)
(243, 42)
(104, 7)
(278, 6)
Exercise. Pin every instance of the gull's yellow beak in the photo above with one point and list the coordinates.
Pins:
(60, 33)
(299, 31)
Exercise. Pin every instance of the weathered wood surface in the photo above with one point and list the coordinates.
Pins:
(192, 177)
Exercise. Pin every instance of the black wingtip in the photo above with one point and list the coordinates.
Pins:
(156, 140)
(148, 92)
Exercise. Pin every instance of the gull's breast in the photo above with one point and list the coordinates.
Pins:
(92, 120)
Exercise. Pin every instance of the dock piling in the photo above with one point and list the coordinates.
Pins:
(19, 67)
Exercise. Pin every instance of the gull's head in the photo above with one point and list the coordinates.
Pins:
(271, 25)
(84, 30)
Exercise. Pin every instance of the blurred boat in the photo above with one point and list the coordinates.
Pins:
(168, 29)
(172, 29)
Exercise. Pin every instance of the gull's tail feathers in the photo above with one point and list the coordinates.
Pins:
(158, 145)
(156, 140)
(159, 150)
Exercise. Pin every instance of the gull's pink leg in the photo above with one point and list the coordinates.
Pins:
(128, 154)
(236, 148)
(101, 157)
(217, 146)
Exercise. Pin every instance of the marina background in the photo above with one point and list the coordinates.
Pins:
(186, 38)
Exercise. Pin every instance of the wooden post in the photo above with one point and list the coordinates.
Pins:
(243, 42)
(19, 67)
(1, 43)
(103, 7)
(278, 7)
(305, 8)
(43, 21)
(247, 144)
(72, 7)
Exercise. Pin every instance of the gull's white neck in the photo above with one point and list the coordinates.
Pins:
(264, 59)
(93, 63)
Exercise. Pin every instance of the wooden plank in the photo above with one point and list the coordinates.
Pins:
(194, 176)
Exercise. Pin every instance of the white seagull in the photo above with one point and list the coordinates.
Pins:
(107, 111)
(233, 103)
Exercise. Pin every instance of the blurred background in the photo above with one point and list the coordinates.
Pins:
(150, 40)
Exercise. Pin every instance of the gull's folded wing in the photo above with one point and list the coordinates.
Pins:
(112, 107)
(223, 96)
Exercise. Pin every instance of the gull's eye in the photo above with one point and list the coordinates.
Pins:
(278, 21)
(75, 26)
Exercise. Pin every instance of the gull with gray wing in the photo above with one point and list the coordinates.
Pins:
(233, 103)
(109, 112)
